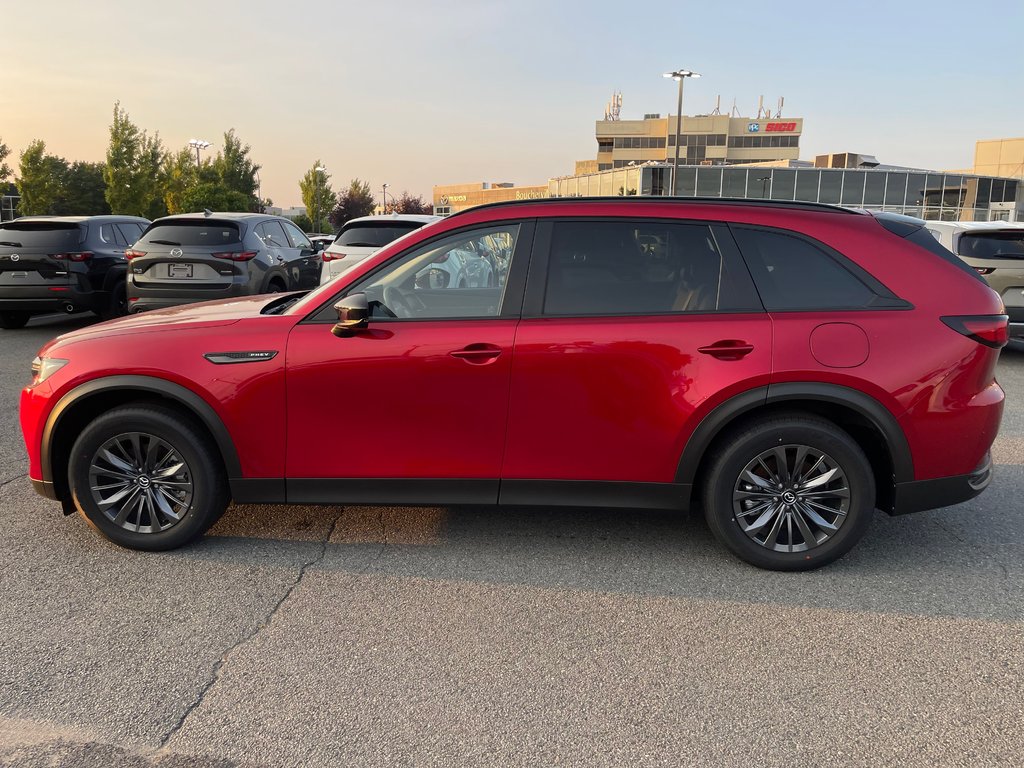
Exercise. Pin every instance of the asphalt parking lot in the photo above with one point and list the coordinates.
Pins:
(380, 636)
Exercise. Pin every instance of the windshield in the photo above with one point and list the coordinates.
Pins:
(372, 234)
(191, 232)
(992, 245)
(59, 236)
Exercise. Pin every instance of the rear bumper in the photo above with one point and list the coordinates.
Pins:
(51, 301)
(144, 299)
(1017, 330)
(920, 495)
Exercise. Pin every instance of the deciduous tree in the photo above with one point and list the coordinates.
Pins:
(317, 195)
(354, 202)
(133, 169)
(40, 181)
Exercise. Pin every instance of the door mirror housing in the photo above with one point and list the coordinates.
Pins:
(353, 315)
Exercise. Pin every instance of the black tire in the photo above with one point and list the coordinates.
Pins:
(157, 425)
(14, 320)
(275, 286)
(117, 304)
(725, 499)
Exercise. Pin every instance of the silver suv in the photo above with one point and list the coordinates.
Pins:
(996, 250)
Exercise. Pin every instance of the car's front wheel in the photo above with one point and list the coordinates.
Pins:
(13, 320)
(789, 493)
(147, 478)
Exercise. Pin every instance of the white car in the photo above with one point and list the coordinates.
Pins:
(365, 236)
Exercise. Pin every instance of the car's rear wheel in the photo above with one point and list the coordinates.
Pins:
(147, 478)
(13, 320)
(789, 493)
(117, 304)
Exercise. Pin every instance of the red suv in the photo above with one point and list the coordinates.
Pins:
(787, 367)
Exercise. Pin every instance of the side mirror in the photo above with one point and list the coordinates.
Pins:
(318, 246)
(353, 315)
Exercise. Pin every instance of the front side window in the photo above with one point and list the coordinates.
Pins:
(296, 236)
(460, 276)
(271, 234)
(792, 273)
(639, 268)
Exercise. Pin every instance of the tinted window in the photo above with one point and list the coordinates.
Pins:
(371, 234)
(130, 231)
(198, 232)
(463, 275)
(110, 235)
(613, 268)
(793, 273)
(992, 245)
(271, 234)
(39, 234)
(296, 236)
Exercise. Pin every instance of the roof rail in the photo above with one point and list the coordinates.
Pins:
(638, 199)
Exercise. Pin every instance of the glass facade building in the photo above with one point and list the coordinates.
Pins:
(926, 195)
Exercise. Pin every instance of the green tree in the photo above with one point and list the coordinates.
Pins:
(214, 196)
(41, 180)
(317, 195)
(83, 191)
(236, 171)
(179, 175)
(5, 169)
(303, 222)
(354, 202)
(133, 169)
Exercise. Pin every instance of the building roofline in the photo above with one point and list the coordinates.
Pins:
(661, 200)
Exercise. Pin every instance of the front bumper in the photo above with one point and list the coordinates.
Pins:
(919, 495)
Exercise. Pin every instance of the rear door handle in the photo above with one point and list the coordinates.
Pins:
(478, 354)
(727, 349)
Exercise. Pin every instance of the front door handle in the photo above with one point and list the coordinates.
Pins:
(727, 349)
(478, 354)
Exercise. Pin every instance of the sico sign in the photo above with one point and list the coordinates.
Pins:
(771, 127)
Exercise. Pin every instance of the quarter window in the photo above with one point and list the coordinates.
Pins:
(459, 276)
(793, 274)
(638, 268)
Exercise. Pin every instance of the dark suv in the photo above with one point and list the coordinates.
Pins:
(203, 256)
(64, 264)
(787, 367)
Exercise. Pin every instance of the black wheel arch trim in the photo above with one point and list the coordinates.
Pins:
(199, 407)
(794, 391)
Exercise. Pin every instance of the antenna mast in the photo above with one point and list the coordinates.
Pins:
(614, 107)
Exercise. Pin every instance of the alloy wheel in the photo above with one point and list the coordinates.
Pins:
(791, 498)
(140, 482)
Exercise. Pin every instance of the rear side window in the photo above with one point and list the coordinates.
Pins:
(792, 273)
(370, 234)
(992, 245)
(639, 268)
(111, 235)
(130, 231)
(59, 236)
(198, 232)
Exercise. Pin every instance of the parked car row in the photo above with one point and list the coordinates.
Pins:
(113, 265)
(787, 367)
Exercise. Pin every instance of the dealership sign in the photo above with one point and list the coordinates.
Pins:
(771, 127)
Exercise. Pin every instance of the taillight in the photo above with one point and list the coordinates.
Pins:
(72, 256)
(133, 254)
(326, 256)
(990, 330)
(236, 255)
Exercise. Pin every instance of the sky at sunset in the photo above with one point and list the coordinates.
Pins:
(422, 93)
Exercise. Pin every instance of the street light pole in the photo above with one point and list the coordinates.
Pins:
(679, 75)
(198, 144)
(384, 191)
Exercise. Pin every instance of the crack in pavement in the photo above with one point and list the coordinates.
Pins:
(11, 480)
(977, 547)
(219, 665)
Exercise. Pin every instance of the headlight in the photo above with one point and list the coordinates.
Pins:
(44, 367)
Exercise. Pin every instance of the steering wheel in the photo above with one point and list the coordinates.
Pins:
(397, 302)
